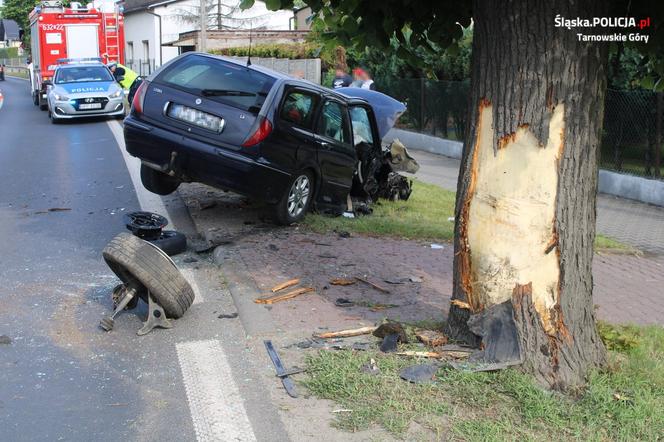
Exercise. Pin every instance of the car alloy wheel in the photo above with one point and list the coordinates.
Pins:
(298, 196)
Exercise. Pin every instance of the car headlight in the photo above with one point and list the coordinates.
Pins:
(59, 97)
(116, 94)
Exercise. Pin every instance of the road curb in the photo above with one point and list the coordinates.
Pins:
(255, 318)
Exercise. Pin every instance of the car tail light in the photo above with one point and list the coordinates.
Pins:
(263, 129)
(139, 98)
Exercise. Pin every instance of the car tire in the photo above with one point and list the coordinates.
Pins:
(139, 263)
(171, 242)
(296, 200)
(158, 182)
(53, 119)
(43, 107)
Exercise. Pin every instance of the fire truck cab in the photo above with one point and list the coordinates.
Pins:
(78, 32)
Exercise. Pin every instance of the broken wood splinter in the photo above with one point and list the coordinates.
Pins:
(459, 303)
(346, 333)
(420, 354)
(285, 285)
(284, 296)
(342, 281)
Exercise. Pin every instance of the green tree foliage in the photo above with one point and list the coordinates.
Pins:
(18, 10)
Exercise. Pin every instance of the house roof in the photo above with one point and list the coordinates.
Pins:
(9, 30)
(141, 5)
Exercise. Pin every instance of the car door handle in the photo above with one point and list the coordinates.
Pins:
(324, 144)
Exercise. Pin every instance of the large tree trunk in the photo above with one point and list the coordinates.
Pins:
(525, 210)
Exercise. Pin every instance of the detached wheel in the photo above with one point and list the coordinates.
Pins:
(158, 182)
(171, 242)
(141, 264)
(295, 202)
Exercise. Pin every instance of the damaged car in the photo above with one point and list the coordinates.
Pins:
(243, 128)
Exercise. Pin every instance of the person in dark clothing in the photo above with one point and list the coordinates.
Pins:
(341, 78)
(2, 72)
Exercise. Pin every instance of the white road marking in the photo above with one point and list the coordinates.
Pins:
(149, 201)
(191, 278)
(217, 409)
(215, 404)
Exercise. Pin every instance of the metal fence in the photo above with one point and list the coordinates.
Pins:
(20, 62)
(434, 107)
(631, 140)
(141, 67)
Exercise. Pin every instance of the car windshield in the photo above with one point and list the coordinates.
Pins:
(82, 74)
(228, 83)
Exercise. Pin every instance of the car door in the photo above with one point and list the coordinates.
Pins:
(366, 143)
(292, 146)
(336, 155)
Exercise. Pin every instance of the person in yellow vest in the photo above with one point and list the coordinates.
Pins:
(120, 71)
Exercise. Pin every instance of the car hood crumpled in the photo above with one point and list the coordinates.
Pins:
(386, 109)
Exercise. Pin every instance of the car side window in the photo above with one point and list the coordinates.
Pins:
(333, 122)
(298, 108)
(361, 124)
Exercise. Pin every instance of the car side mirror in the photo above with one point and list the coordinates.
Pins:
(47, 83)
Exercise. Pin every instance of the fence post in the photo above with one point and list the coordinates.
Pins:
(422, 95)
(658, 135)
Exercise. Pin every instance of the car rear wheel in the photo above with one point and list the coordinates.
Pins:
(295, 202)
(158, 182)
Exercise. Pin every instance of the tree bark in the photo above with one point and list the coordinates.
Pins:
(525, 209)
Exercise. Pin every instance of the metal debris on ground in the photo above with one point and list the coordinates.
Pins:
(437, 246)
(390, 343)
(284, 296)
(403, 280)
(282, 373)
(346, 333)
(228, 315)
(500, 340)
(342, 281)
(344, 302)
(285, 285)
(376, 286)
(420, 373)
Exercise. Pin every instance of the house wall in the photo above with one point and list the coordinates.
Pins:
(180, 17)
(142, 27)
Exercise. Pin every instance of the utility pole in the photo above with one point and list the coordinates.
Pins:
(203, 33)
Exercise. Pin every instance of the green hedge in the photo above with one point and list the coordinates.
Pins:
(294, 51)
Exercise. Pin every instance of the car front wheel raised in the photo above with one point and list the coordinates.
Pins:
(158, 182)
(295, 202)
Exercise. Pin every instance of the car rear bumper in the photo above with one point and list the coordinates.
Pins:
(193, 160)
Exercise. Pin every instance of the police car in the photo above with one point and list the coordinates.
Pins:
(84, 88)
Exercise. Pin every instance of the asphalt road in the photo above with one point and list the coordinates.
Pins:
(63, 191)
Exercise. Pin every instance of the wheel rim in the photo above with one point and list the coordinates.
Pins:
(298, 196)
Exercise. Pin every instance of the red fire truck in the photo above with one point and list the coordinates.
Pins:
(92, 31)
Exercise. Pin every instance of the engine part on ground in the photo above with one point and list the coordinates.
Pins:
(149, 273)
(118, 293)
(171, 242)
(149, 226)
(400, 159)
(395, 187)
(145, 225)
(282, 373)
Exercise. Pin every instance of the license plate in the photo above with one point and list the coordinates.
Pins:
(195, 117)
(90, 106)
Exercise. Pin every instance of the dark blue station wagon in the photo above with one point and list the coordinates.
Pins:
(250, 130)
